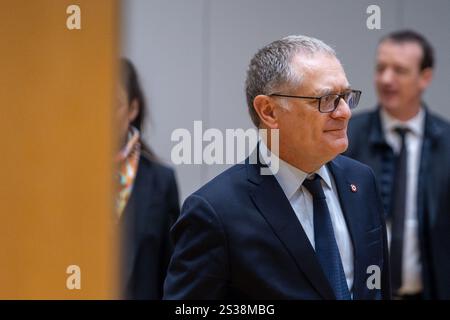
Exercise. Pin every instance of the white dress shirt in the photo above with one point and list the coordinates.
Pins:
(411, 265)
(291, 181)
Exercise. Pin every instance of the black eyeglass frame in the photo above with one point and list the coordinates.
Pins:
(336, 101)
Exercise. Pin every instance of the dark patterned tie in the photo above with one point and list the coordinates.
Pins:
(398, 213)
(326, 247)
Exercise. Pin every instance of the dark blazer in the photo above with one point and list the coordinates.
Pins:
(368, 145)
(145, 223)
(238, 237)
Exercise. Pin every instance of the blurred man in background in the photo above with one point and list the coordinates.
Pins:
(146, 198)
(408, 148)
(311, 230)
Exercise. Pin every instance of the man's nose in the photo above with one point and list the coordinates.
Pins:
(386, 76)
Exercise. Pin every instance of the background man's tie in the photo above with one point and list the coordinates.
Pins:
(398, 213)
(326, 247)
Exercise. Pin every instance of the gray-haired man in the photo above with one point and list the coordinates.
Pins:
(312, 230)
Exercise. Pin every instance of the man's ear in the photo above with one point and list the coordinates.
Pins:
(264, 107)
(426, 77)
(134, 110)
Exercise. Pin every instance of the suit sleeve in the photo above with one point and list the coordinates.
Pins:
(199, 264)
(173, 211)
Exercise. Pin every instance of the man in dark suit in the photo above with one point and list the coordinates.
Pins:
(313, 228)
(146, 200)
(409, 150)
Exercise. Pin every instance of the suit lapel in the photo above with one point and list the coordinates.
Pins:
(132, 221)
(272, 203)
(427, 173)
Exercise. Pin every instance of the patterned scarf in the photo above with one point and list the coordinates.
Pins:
(127, 160)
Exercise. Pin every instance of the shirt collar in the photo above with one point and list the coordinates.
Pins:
(132, 143)
(415, 124)
(289, 177)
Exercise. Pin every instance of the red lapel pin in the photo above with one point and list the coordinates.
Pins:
(353, 188)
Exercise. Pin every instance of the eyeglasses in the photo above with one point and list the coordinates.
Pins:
(329, 102)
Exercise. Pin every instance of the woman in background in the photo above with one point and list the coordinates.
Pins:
(147, 199)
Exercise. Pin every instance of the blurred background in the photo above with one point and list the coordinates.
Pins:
(193, 56)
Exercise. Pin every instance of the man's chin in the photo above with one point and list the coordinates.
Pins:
(389, 106)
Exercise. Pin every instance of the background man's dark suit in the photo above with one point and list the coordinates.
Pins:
(238, 237)
(150, 212)
(367, 144)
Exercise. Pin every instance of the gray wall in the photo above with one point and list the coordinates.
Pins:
(192, 56)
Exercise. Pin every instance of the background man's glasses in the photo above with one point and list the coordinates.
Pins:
(329, 102)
